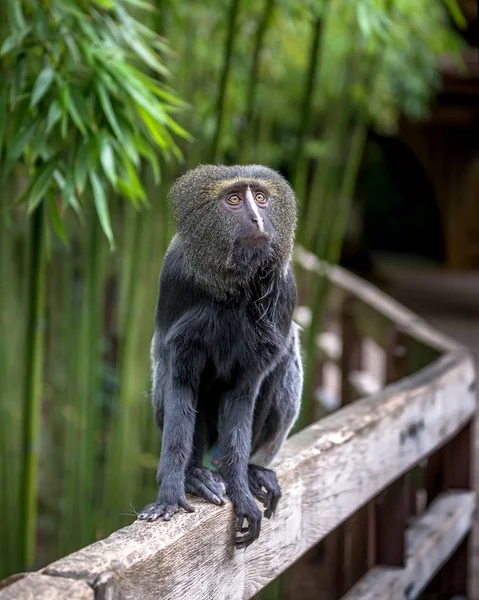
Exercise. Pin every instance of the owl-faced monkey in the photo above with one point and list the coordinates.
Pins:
(226, 365)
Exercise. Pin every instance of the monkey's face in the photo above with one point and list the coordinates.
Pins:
(234, 218)
(246, 205)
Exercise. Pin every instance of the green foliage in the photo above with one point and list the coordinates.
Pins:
(84, 108)
(389, 50)
(81, 104)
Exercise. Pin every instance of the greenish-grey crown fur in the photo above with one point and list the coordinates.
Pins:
(207, 231)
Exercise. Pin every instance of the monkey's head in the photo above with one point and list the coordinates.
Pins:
(231, 220)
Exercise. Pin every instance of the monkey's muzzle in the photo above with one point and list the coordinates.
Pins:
(257, 241)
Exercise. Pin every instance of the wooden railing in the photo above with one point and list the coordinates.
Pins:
(387, 476)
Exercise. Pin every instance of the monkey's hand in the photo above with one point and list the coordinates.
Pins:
(165, 506)
(201, 482)
(246, 510)
(265, 487)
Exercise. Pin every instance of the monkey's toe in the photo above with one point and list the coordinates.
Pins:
(201, 482)
(265, 487)
(247, 535)
(157, 510)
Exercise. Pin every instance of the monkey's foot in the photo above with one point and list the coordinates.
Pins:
(201, 482)
(247, 511)
(152, 512)
(265, 487)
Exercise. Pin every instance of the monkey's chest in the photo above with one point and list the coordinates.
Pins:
(242, 346)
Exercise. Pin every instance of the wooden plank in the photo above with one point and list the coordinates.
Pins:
(391, 514)
(450, 468)
(393, 507)
(354, 543)
(351, 356)
(430, 541)
(377, 304)
(327, 471)
(353, 535)
(44, 587)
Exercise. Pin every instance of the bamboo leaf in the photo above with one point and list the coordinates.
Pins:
(105, 3)
(67, 187)
(108, 110)
(81, 168)
(40, 185)
(15, 16)
(107, 159)
(3, 116)
(456, 13)
(101, 205)
(134, 181)
(18, 147)
(147, 56)
(141, 4)
(42, 84)
(54, 114)
(75, 115)
(363, 20)
(152, 128)
(56, 219)
(8, 44)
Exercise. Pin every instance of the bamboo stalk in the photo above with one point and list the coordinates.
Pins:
(300, 169)
(68, 531)
(122, 466)
(225, 73)
(347, 189)
(90, 344)
(11, 383)
(252, 85)
(33, 388)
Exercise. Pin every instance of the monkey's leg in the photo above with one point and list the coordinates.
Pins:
(235, 422)
(200, 481)
(265, 488)
(177, 440)
(278, 407)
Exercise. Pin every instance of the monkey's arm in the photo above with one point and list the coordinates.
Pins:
(178, 360)
(183, 369)
(235, 425)
(277, 409)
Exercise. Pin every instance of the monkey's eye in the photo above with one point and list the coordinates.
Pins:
(260, 198)
(234, 199)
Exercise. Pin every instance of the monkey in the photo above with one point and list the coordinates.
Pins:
(225, 354)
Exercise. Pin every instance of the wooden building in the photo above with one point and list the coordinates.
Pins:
(447, 147)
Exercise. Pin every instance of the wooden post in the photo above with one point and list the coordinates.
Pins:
(353, 536)
(392, 508)
(450, 469)
(351, 359)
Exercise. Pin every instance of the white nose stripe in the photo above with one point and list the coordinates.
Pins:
(254, 207)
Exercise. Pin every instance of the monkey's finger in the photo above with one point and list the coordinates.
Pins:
(152, 512)
(200, 489)
(268, 498)
(271, 509)
(248, 538)
(262, 497)
(239, 522)
(186, 505)
(251, 534)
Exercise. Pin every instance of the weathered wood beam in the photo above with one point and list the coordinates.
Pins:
(44, 587)
(429, 543)
(376, 305)
(327, 472)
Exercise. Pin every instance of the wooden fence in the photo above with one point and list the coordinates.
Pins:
(384, 482)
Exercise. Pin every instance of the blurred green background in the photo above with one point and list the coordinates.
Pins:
(103, 103)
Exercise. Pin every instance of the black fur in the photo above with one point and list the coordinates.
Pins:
(225, 371)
